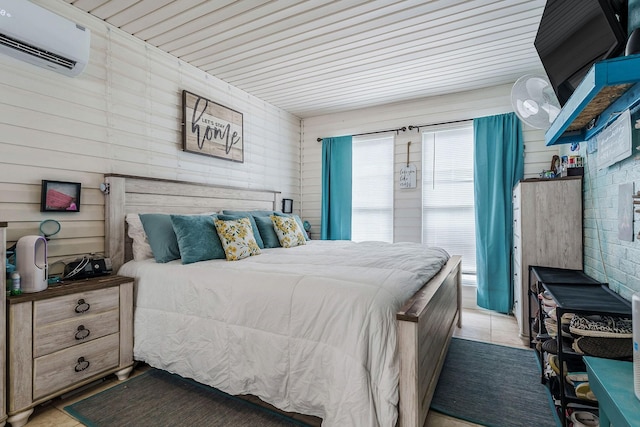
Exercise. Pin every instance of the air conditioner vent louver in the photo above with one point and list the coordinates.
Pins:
(36, 52)
(36, 35)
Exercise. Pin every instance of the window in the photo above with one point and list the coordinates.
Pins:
(448, 216)
(372, 188)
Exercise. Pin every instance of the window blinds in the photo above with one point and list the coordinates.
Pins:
(372, 206)
(448, 216)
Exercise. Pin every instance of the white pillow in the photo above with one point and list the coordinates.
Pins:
(141, 248)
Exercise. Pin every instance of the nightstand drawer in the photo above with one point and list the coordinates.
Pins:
(58, 370)
(75, 305)
(66, 333)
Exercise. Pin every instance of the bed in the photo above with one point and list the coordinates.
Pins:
(278, 332)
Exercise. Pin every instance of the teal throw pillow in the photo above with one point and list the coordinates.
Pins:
(197, 238)
(267, 232)
(254, 227)
(161, 236)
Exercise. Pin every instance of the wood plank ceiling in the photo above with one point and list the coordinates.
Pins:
(316, 57)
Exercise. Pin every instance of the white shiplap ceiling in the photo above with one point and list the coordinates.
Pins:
(316, 57)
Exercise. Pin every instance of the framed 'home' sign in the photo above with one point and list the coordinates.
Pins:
(211, 129)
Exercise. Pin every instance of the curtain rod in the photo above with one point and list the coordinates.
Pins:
(411, 127)
(397, 131)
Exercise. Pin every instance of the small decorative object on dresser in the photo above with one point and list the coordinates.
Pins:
(31, 262)
(66, 337)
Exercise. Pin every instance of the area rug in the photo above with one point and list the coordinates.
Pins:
(493, 385)
(157, 398)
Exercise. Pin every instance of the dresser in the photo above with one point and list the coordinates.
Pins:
(3, 338)
(547, 230)
(64, 337)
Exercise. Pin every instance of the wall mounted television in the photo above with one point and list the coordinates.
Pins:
(574, 34)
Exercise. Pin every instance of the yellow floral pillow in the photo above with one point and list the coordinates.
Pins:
(288, 231)
(237, 238)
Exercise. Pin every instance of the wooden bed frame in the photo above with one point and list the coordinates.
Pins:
(425, 323)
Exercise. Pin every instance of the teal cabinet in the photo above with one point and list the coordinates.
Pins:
(610, 87)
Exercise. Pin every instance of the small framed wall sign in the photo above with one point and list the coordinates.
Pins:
(211, 129)
(287, 206)
(60, 196)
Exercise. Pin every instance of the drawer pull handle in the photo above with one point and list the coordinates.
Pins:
(82, 333)
(82, 364)
(82, 306)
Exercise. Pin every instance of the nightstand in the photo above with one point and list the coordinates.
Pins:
(64, 337)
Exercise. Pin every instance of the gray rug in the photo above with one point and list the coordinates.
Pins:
(493, 385)
(157, 398)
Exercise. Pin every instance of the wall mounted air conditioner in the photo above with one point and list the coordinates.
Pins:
(38, 36)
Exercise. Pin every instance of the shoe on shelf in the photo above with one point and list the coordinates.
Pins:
(601, 326)
(555, 365)
(583, 391)
(550, 346)
(551, 326)
(566, 318)
(548, 308)
(536, 325)
(609, 348)
(584, 419)
(575, 378)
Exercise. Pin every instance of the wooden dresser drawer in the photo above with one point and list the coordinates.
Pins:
(75, 305)
(58, 370)
(66, 333)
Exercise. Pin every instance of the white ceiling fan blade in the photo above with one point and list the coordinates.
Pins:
(536, 86)
(552, 111)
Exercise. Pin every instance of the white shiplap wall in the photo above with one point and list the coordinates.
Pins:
(408, 202)
(122, 115)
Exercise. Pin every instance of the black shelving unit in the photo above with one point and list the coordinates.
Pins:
(573, 292)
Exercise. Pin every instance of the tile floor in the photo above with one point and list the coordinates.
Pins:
(477, 324)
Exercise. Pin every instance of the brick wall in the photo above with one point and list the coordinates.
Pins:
(606, 257)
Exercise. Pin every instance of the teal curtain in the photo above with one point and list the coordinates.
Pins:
(336, 188)
(498, 166)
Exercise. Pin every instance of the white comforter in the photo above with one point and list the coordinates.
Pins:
(310, 329)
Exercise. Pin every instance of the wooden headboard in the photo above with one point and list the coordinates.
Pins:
(133, 194)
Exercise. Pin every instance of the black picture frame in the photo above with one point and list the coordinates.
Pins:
(287, 206)
(60, 196)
